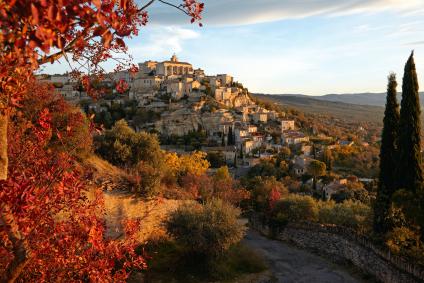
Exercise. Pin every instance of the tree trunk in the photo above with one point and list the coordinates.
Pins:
(19, 246)
(3, 145)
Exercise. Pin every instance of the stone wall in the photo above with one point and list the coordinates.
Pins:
(341, 244)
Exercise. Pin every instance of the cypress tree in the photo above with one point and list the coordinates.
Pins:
(410, 172)
(388, 159)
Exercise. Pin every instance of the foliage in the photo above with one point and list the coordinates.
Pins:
(356, 160)
(353, 214)
(72, 126)
(220, 186)
(262, 190)
(410, 134)
(316, 168)
(194, 163)
(222, 174)
(297, 208)
(216, 159)
(410, 196)
(406, 242)
(171, 265)
(49, 229)
(208, 230)
(127, 110)
(146, 180)
(124, 147)
(354, 191)
(268, 168)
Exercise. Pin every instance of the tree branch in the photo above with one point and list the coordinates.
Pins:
(20, 254)
(147, 5)
(179, 7)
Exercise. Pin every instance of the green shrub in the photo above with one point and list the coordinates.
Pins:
(124, 147)
(208, 230)
(146, 180)
(353, 214)
(296, 208)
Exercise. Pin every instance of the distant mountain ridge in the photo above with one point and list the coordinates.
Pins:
(371, 99)
(342, 110)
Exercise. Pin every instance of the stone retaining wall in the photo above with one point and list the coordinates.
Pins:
(342, 244)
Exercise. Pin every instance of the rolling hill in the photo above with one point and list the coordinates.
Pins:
(341, 110)
(371, 99)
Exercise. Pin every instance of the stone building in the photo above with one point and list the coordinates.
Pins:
(173, 68)
(287, 125)
(294, 137)
(260, 117)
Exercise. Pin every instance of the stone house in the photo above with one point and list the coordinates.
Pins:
(260, 117)
(287, 125)
(333, 187)
(294, 137)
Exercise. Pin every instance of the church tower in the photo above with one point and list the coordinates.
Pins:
(174, 58)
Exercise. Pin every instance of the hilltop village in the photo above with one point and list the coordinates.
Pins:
(190, 110)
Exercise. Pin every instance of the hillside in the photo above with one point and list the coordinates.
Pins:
(341, 110)
(368, 98)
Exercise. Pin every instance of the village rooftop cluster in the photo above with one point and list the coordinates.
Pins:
(180, 100)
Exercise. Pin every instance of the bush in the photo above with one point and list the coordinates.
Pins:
(122, 146)
(261, 189)
(170, 265)
(146, 180)
(296, 208)
(208, 230)
(406, 242)
(216, 159)
(353, 214)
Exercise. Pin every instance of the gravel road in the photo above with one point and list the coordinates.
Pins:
(289, 264)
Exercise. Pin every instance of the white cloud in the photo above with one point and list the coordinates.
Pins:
(161, 42)
(240, 12)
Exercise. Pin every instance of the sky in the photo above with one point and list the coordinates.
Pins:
(311, 47)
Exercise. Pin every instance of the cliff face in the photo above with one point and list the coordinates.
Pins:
(179, 122)
(183, 121)
(241, 100)
(187, 116)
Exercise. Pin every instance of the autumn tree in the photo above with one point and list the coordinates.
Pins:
(85, 33)
(316, 168)
(50, 231)
(388, 178)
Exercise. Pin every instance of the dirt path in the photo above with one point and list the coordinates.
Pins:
(289, 264)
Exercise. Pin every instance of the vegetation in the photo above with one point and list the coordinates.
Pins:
(49, 230)
(353, 214)
(122, 146)
(409, 136)
(388, 159)
(169, 264)
(298, 208)
(316, 169)
(399, 212)
(207, 230)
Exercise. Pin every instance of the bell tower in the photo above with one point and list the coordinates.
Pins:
(174, 58)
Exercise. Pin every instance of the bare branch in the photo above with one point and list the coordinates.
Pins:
(179, 7)
(147, 5)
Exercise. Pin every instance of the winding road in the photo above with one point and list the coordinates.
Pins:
(289, 264)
